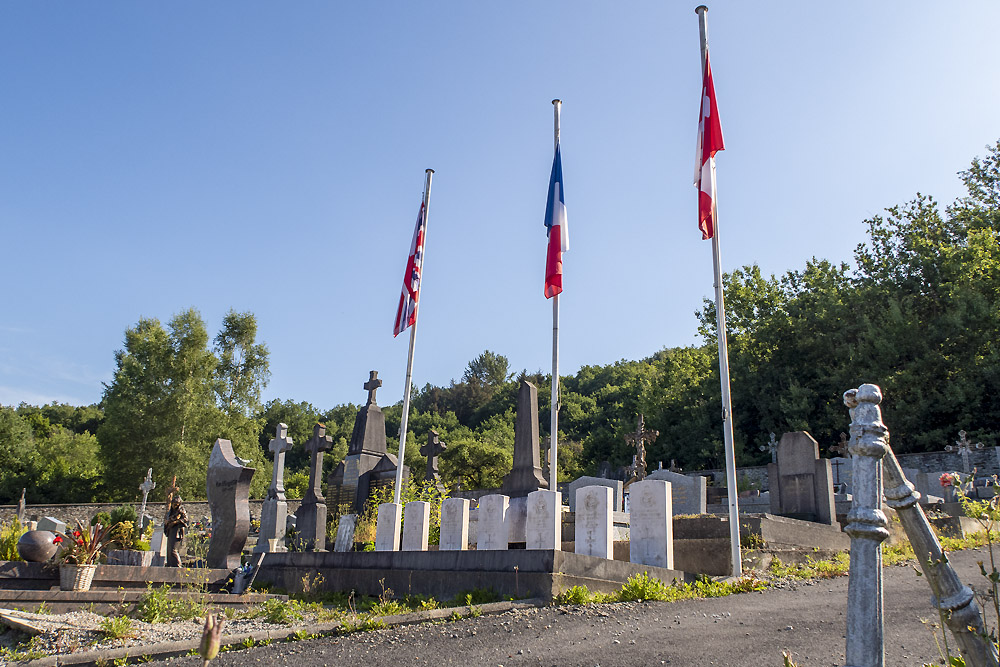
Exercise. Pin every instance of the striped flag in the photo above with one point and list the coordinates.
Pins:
(406, 312)
(709, 142)
(556, 228)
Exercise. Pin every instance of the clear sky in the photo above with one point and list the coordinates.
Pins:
(269, 157)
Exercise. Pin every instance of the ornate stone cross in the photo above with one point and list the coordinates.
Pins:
(432, 449)
(372, 386)
(639, 440)
(147, 485)
(320, 442)
(964, 447)
(771, 446)
(673, 466)
(278, 446)
(840, 449)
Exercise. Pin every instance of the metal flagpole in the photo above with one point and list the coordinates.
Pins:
(554, 419)
(720, 316)
(409, 358)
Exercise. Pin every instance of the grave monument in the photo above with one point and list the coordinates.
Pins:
(274, 511)
(310, 518)
(432, 449)
(801, 483)
(526, 474)
(689, 495)
(228, 488)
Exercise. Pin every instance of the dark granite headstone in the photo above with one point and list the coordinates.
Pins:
(526, 474)
(801, 483)
(310, 518)
(228, 499)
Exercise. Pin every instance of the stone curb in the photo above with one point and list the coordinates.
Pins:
(182, 648)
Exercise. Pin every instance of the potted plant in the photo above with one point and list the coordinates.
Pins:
(132, 546)
(81, 550)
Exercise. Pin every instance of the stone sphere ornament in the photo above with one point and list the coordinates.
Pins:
(36, 546)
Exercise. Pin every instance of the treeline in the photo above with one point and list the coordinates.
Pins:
(916, 312)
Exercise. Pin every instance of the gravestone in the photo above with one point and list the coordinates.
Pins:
(604, 469)
(594, 528)
(345, 533)
(387, 524)
(492, 528)
(543, 527)
(516, 519)
(416, 525)
(841, 470)
(365, 449)
(454, 524)
(147, 485)
(618, 493)
(310, 518)
(526, 474)
(432, 449)
(51, 524)
(801, 483)
(228, 488)
(689, 495)
(964, 447)
(158, 545)
(651, 525)
(274, 511)
(772, 448)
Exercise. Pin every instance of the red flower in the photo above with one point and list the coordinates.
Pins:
(57, 539)
(80, 542)
(76, 533)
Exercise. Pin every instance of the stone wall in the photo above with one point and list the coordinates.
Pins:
(196, 510)
(756, 476)
(986, 461)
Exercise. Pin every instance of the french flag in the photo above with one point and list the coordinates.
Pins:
(557, 229)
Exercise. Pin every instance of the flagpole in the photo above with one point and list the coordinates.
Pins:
(409, 358)
(720, 317)
(554, 414)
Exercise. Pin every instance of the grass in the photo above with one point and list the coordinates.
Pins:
(117, 627)
(156, 606)
(642, 588)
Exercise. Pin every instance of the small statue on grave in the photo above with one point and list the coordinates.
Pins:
(175, 526)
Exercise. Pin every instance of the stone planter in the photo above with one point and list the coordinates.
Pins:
(129, 557)
(76, 577)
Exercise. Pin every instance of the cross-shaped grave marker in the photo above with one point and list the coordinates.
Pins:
(432, 449)
(841, 448)
(372, 386)
(147, 485)
(319, 443)
(964, 447)
(639, 440)
(771, 446)
(280, 444)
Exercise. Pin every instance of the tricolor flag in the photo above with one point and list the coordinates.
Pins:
(557, 229)
(709, 142)
(406, 312)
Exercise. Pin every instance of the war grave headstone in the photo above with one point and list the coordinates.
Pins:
(432, 449)
(651, 540)
(416, 525)
(543, 525)
(454, 524)
(593, 521)
(228, 488)
(801, 482)
(618, 494)
(274, 511)
(526, 474)
(387, 524)
(345, 533)
(310, 517)
(689, 494)
(492, 527)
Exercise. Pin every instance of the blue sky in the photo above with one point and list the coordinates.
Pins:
(270, 156)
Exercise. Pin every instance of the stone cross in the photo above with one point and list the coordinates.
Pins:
(771, 446)
(639, 440)
(316, 446)
(964, 447)
(372, 386)
(147, 485)
(673, 466)
(835, 464)
(841, 448)
(432, 449)
(278, 446)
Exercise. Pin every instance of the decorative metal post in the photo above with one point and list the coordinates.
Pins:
(866, 524)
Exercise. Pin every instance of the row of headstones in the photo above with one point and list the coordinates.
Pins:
(650, 532)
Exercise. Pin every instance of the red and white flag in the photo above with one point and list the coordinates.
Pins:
(709, 142)
(406, 312)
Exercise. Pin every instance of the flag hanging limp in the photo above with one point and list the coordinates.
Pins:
(406, 312)
(709, 142)
(557, 229)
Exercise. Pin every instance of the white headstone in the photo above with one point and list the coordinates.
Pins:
(416, 525)
(651, 529)
(593, 521)
(387, 525)
(454, 524)
(492, 527)
(614, 484)
(689, 494)
(543, 528)
(345, 533)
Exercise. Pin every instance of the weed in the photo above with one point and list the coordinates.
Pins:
(474, 596)
(386, 606)
(120, 662)
(641, 587)
(145, 657)
(249, 642)
(312, 585)
(44, 608)
(10, 533)
(156, 606)
(117, 627)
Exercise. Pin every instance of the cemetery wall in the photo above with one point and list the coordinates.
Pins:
(196, 510)
(985, 461)
(755, 476)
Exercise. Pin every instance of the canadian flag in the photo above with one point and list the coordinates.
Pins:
(709, 142)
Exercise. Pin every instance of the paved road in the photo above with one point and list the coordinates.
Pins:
(806, 619)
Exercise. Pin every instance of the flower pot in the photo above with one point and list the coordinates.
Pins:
(76, 577)
(130, 557)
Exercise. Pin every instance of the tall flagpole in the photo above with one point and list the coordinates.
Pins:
(720, 317)
(409, 358)
(554, 419)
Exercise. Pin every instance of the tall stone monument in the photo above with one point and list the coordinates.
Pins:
(274, 512)
(801, 482)
(432, 449)
(228, 490)
(310, 518)
(526, 474)
(364, 451)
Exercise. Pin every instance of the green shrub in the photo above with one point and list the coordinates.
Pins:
(644, 587)
(575, 595)
(117, 627)
(10, 533)
(124, 513)
(156, 606)
(102, 518)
